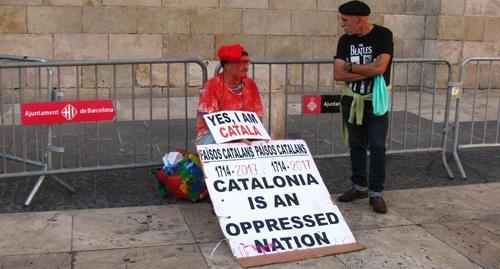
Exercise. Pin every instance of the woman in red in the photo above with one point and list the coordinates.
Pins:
(229, 90)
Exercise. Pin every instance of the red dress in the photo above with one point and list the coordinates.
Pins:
(217, 96)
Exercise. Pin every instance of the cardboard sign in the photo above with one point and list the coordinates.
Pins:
(65, 112)
(316, 104)
(271, 202)
(231, 125)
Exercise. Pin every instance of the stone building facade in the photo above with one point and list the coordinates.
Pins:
(270, 29)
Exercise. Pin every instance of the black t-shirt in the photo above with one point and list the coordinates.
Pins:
(363, 50)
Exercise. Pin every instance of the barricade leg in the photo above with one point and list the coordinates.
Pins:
(456, 157)
(445, 133)
(38, 183)
(47, 166)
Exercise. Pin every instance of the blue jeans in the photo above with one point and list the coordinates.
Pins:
(371, 135)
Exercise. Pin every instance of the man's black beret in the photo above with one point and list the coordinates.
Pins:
(356, 8)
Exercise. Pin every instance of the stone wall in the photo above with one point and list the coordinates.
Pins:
(270, 29)
(464, 28)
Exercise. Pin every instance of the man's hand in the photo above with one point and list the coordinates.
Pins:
(377, 67)
(348, 66)
(341, 74)
(360, 71)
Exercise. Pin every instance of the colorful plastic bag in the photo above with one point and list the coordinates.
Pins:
(185, 180)
(380, 98)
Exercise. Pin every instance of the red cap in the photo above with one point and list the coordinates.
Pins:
(230, 53)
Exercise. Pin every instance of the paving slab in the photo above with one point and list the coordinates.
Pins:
(37, 261)
(440, 204)
(223, 258)
(403, 247)
(203, 224)
(178, 256)
(359, 215)
(30, 233)
(458, 227)
(129, 227)
(488, 194)
(490, 223)
(471, 240)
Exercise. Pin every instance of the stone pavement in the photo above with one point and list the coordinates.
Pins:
(441, 227)
(138, 187)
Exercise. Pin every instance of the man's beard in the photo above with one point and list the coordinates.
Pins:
(348, 32)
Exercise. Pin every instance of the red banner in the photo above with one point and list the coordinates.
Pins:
(312, 104)
(66, 112)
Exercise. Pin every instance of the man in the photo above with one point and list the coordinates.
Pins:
(364, 51)
(229, 90)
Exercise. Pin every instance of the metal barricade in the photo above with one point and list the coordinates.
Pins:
(13, 157)
(151, 97)
(21, 76)
(418, 117)
(156, 101)
(423, 89)
(477, 109)
(43, 143)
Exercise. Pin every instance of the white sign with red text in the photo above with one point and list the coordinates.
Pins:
(272, 203)
(233, 125)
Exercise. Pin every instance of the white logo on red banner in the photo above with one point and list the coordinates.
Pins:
(312, 104)
(69, 112)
